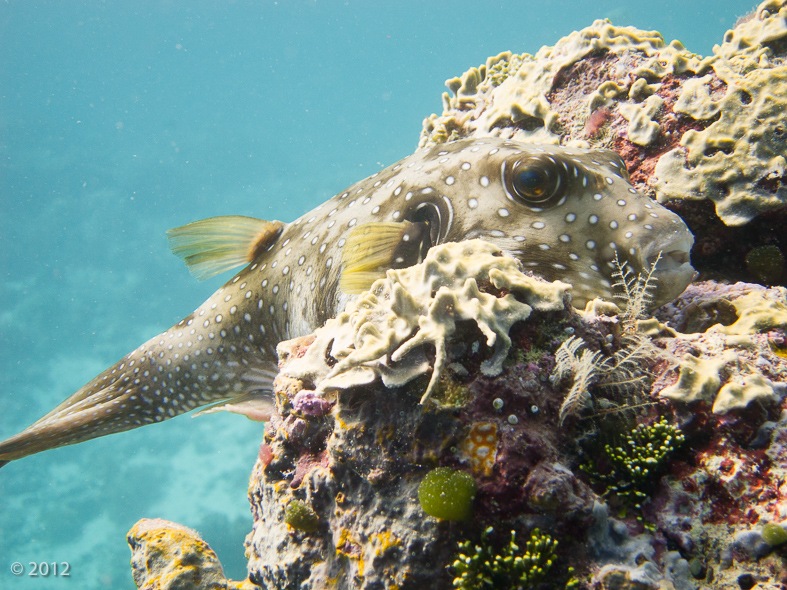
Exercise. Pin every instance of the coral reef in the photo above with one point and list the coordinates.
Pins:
(675, 480)
(691, 130)
(168, 556)
(463, 403)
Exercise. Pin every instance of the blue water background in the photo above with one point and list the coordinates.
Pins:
(119, 120)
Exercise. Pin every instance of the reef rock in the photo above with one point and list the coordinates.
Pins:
(688, 126)
(169, 556)
(346, 491)
(692, 130)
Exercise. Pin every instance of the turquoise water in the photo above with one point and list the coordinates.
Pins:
(118, 123)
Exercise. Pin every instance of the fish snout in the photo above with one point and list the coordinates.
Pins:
(670, 252)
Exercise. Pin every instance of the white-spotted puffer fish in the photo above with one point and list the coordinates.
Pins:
(564, 212)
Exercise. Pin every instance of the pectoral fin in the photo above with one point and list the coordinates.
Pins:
(373, 248)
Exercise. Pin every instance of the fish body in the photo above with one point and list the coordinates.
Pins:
(563, 212)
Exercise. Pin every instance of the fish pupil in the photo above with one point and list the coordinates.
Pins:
(537, 181)
(531, 183)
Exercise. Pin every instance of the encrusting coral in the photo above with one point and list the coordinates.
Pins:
(169, 556)
(703, 135)
(384, 331)
(717, 123)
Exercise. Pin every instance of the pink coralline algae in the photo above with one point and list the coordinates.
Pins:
(310, 404)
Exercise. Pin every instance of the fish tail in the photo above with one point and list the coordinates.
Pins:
(155, 382)
(78, 419)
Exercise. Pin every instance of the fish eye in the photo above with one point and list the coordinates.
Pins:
(537, 181)
(531, 183)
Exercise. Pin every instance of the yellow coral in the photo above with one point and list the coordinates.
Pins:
(421, 305)
(741, 391)
(728, 160)
(757, 313)
(166, 556)
(737, 161)
(699, 378)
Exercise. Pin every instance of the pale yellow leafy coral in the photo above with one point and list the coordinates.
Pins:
(738, 161)
(699, 378)
(741, 390)
(736, 158)
(495, 105)
(384, 331)
(642, 129)
(733, 159)
(757, 311)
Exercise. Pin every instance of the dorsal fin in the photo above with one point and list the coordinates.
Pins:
(213, 245)
(373, 248)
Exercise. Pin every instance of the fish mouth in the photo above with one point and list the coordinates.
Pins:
(673, 272)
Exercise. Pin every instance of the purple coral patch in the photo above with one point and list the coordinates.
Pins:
(309, 403)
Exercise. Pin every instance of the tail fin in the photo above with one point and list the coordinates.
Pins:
(152, 384)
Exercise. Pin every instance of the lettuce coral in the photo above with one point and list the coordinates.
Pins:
(384, 331)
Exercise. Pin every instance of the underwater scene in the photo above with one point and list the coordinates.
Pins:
(487, 294)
